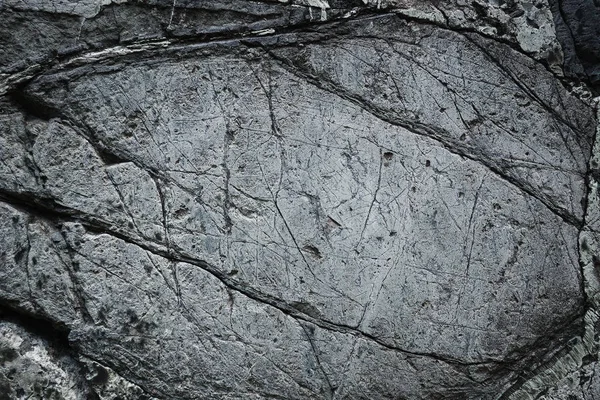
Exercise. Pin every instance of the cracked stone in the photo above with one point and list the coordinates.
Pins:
(296, 200)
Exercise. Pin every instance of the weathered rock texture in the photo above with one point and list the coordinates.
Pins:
(300, 199)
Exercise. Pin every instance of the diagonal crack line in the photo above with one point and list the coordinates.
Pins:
(14, 80)
(424, 130)
(588, 202)
(308, 335)
(114, 369)
(118, 367)
(317, 30)
(526, 89)
(41, 208)
(544, 362)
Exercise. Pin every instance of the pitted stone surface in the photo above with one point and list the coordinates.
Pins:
(31, 368)
(307, 200)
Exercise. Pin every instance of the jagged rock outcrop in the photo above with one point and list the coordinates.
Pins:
(298, 200)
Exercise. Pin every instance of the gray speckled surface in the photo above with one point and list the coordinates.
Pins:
(295, 200)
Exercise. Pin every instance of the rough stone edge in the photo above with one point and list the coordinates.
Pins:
(11, 80)
(574, 355)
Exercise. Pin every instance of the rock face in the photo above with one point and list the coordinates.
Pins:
(578, 28)
(300, 199)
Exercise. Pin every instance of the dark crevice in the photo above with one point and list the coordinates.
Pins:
(525, 88)
(554, 356)
(581, 47)
(565, 23)
(556, 346)
(309, 27)
(515, 361)
(56, 335)
(44, 208)
(590, 176)
(431, 133)
(77, 291)
(37, 106)
(49, 209)
(54, 332)
(32, 105)
(97, 226)
(109, 158)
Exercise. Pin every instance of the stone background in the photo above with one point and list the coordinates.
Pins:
(301, 199)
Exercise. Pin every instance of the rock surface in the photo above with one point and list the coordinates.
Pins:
(578, 29)
(301, 199)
